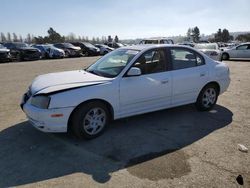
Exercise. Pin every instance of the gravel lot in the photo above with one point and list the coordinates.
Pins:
(178, 147)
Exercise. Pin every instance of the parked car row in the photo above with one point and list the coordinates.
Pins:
(219, 51)
(18, 51)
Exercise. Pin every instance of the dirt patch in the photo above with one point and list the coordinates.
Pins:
(171, 165)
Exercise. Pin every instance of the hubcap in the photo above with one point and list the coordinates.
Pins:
(94, 121)
(209, 97)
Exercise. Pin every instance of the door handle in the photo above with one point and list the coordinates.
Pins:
(202, 74)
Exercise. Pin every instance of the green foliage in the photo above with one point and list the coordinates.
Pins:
(244, 37)
(53, 37)
(116, 39)
(222, 36)
(193, 34)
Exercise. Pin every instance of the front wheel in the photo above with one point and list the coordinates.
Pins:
(90, 119)
(207, 98)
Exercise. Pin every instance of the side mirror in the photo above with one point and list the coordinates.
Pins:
(134, 71)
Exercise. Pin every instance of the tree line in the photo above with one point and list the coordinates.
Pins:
(53, 37)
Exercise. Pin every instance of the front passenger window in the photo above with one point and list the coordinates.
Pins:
(153, 61)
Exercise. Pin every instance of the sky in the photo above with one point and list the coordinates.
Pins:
(129, 19)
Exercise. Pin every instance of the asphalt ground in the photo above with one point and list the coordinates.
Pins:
(178, 147)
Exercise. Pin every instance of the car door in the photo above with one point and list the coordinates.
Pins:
(189, 75)
(149, 91)
(242, 51)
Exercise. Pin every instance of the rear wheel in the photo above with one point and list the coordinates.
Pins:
(90, 120)
(225, 56)
(207, 98)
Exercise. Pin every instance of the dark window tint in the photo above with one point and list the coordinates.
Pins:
(153, 61)
(184, 58)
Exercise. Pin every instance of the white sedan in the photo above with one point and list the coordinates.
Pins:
(212, 50)
(128, 81)
(241, 51)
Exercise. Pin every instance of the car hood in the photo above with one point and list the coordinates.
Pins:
(54, 82)
(4, 50)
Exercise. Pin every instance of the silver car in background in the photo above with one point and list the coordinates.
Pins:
(212, 50)
(241, 51)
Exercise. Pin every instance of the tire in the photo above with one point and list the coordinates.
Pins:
(225, 56)
(18, 57)
(67, 54)
(86, 54)
(90, 120)
(207, 98)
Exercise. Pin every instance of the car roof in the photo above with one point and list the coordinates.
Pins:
(142, 47)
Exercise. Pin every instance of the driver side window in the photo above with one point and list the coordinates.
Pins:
(153, 61)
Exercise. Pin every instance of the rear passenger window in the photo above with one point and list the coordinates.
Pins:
(183, 58)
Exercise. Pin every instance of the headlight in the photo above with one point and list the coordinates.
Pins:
(40, 101)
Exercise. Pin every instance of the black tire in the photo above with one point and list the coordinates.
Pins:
(79, 120)
(225, 56)
(207, 98)
(18, 57)
(67, 54)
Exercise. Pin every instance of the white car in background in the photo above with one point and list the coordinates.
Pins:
(128, 81)
(241, 51)
(212, 50)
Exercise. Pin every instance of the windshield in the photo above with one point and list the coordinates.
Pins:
(21, 45)
(68, 45)
(112, 64)
(89, 45)
(206, 46)
(1, 46)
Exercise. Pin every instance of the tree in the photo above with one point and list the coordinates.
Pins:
(20, 38)
(196, 34)
(218, 36)
(189, 33)
(3, 38)
(116, 39)
(97, 40)
(223, 36)
(9, 37)
(28, 38)
(54, 37)
(244, 37)
(110, 39)
(15, 38)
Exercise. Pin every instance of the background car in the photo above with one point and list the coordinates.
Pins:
(4, 54)
(114, 44)
(186, 43)
(49, 51)
(210, 49)
(22, 51)
(104, 49)
(69, 49)
(240, 51)
(87, 48)
(157, 41)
